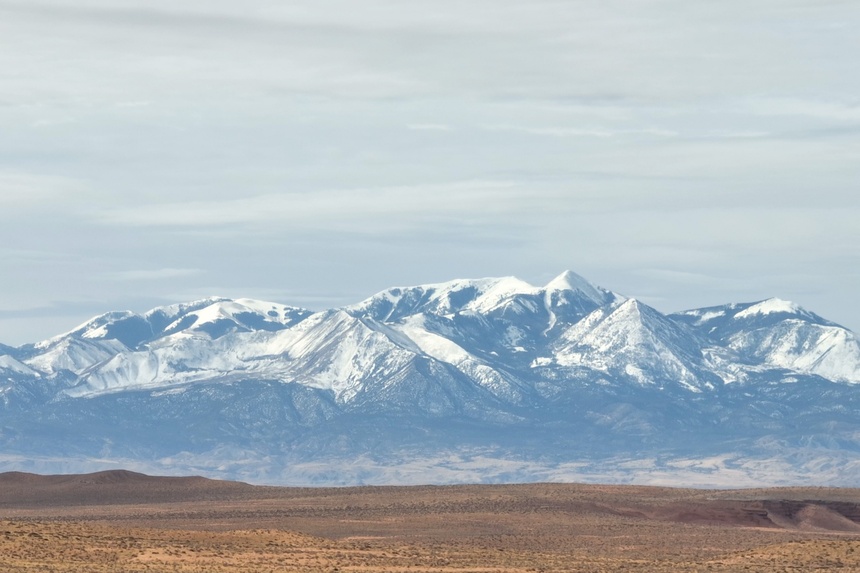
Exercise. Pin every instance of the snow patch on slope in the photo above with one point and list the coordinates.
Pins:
(635, 341)
(827, 351)
(75, 355)
(496, 292)
(770, 306)
(93, 328)
(432, 344)
(10, 365)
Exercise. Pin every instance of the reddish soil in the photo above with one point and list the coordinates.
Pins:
(565, 527)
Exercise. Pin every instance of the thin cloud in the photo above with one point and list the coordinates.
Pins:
(22, 189)
(817, 109)
(735, 134)
(305, 141)
(680, 277)
(133, 104)
(350, 208)
(429, 126)
(30, 256)
(584, 132)
(152, 275)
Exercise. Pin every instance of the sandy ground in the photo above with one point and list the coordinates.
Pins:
(121, 521)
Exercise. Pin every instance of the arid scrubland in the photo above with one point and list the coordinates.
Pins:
(125, 522)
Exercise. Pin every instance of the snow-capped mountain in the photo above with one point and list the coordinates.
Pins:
(779, 333)
(470, 380)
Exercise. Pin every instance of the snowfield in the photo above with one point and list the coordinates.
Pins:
(470, 380)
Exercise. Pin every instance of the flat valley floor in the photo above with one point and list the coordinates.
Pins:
(125, 522)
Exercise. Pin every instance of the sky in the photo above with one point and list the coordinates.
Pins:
(314, 152)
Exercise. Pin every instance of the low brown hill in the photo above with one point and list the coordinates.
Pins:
(330, 511)
(20, 489)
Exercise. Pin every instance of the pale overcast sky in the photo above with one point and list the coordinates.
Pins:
(313, 152)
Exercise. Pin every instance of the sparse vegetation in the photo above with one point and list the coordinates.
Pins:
(142, 525)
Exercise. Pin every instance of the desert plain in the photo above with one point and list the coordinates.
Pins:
(121, 521)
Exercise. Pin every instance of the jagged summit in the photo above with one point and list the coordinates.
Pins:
(457, 370)
(441, 298)
(569, 280)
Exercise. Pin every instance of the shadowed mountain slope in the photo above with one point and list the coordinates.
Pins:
(471, 380)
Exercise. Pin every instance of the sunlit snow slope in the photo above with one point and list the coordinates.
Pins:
(471, 380)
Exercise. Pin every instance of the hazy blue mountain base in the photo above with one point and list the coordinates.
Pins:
(488, 380)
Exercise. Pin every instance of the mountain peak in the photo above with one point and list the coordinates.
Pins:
(570, 281)
(567, 280)
(771, 306)
(566, 372)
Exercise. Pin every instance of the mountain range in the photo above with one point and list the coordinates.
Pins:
(483, 380)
